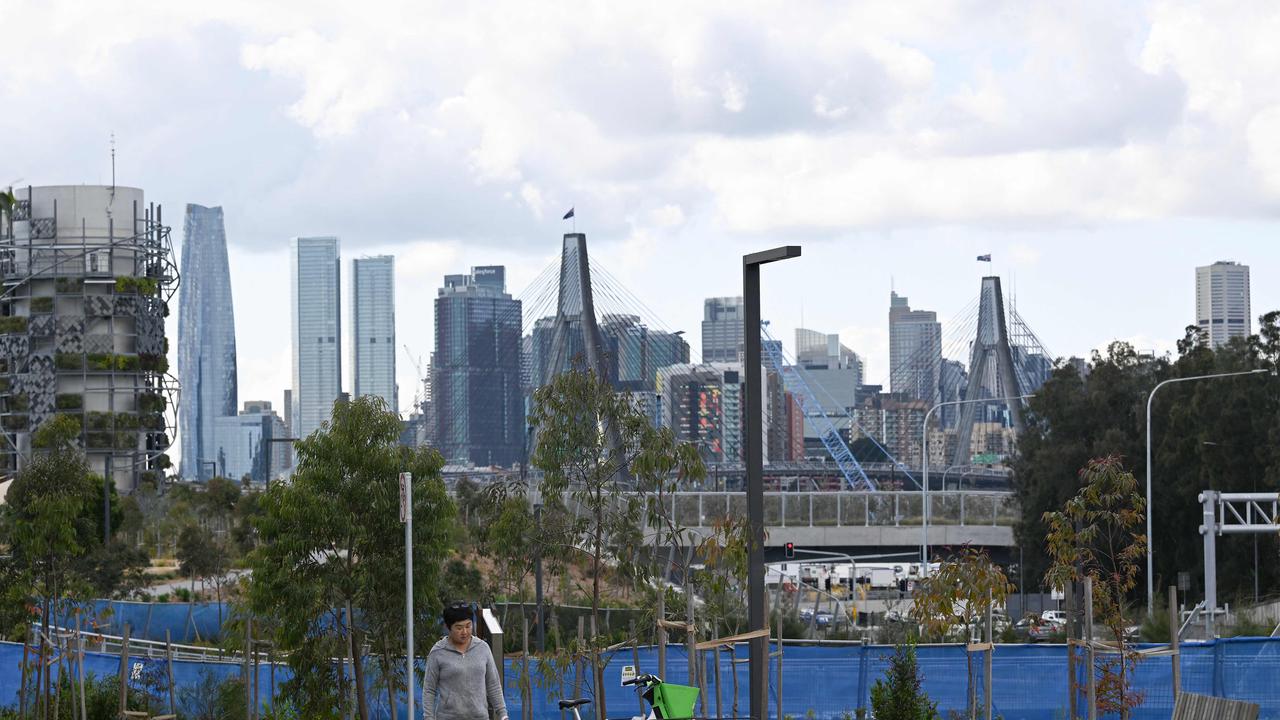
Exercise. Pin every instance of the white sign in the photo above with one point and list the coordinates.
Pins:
(405, 479)
(628, 673)
(1057, 594)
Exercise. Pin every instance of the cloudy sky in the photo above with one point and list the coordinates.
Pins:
(1099, 150)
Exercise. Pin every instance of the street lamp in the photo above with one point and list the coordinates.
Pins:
(758, 664)
(1150, 576)
(924, 459)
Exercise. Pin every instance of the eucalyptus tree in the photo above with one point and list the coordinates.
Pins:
(329, 565)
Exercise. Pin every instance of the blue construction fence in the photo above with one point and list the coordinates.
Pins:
(194, 622)
(828, 682)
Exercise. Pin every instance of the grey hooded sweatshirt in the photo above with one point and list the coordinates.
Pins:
(461, 686)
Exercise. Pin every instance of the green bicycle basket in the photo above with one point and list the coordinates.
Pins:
(674, 702)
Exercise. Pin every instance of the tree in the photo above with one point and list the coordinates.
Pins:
(592, 446)
(51, 507)
(1221, 434)
(1098, 535)
(330, 560)
(898, 696)
(965, 589)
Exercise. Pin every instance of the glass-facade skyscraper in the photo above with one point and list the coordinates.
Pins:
(317, 331)
(206, 340)
(915, 351)
(373, 328)
(476, 394)
(722, 319)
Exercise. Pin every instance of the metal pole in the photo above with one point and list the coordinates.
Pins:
(1088, 635)
(759, 659)
(406, 480)
(758, 666)
(1209, 502)
(1173, 641)
(1150, 398)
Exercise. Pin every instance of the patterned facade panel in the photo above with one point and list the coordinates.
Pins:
(126, 306)
(97, 306)
(43, 229)
(14, 347)
(150, 335)
(70, 337)
(41, 325)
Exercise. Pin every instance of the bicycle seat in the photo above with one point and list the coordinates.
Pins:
(567, 704)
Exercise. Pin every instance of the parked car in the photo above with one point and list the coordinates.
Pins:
(1057, 617)
(824, 619)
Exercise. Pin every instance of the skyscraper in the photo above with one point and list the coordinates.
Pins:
(833, 372)
(478, 402)
(915, 351)
(373, 328)
(206, 341)
(1222, 301)
(317, 331)
(722, 329)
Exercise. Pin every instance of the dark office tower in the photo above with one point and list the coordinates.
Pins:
(478, 404)
(206, 341)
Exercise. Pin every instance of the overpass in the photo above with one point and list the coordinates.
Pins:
(860, 519)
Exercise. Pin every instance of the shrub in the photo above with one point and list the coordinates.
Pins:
(99, 440)
(19, 402)
(898, 696)
(151, 403)
(13, 324)
(143, 285)
(42, 305)
(69, 401)
(154, 363)
(69, 285)
(70, 361)
(14, 423)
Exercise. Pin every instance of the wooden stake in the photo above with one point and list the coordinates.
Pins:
(124, 672)
(526, 691)
(84, 715)
(719, 711)
(168, 660)
(1088, 630)
(662, 631)
(635, 661)
(22, 696)
(1174, 641)
(986, 663)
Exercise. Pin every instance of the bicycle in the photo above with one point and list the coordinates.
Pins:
(667, 701)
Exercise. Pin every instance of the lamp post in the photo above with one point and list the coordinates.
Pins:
(1150, 398)
(924, 460)
(758, 664)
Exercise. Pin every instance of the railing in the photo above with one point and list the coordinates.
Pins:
(850, 509)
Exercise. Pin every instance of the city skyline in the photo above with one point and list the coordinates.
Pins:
(894, 145)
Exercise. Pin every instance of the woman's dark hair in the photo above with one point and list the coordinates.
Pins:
(457, 612)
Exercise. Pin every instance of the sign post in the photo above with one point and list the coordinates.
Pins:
(406, 518)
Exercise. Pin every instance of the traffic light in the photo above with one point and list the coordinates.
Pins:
(790, 550)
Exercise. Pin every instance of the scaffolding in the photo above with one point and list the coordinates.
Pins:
(82, 310)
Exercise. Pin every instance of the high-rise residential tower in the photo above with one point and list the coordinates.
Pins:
(722, 319)
(915, 351)
(88, 273)
(476, 394)
(833, 372)
(206, 341)
(1222, 301)
(373, 328)
(317, 331)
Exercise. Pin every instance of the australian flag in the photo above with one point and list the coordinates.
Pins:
(981, 258)
(570, 214)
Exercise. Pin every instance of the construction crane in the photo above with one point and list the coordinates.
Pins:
(812, 410)
(418, 386)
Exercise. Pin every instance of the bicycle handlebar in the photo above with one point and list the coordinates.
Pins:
(643, 679)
